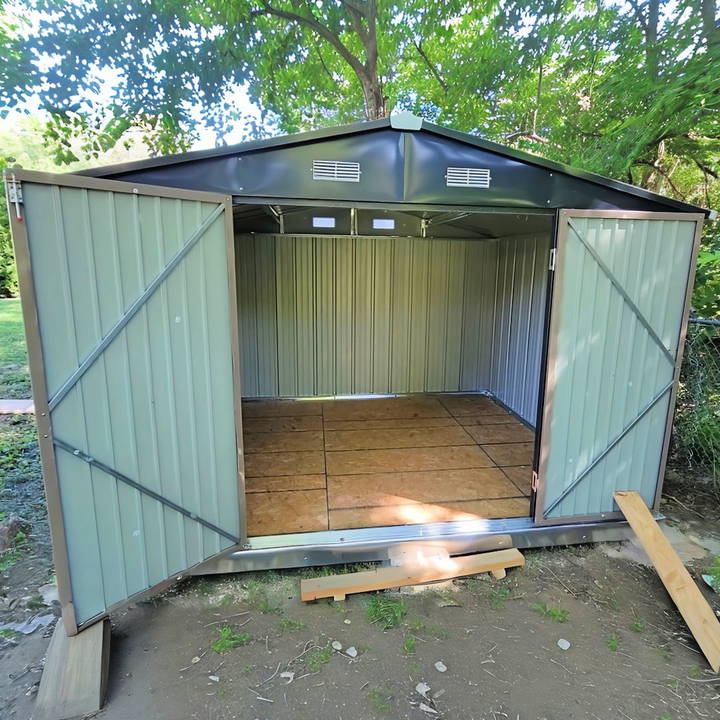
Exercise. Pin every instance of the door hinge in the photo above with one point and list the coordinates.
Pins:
(15, 196)
(553, 255)
(534, 483)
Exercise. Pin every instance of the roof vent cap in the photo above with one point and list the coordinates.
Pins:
(336, 170)
(468, 177)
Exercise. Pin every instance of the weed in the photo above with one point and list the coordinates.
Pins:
(556, 614)
(637, 626)
(665, 654)
(420, 627)
(379, 701)
(10, 634)
(247, 669)
(228, 640)
(497, 596)
(409, 644)
(714, 572)
(258, 598)
(316, 658)
(10, 556)
(389, 612)
(226, 600)
(613, 642)
(289, 625)
(695, 672)
(35, 603)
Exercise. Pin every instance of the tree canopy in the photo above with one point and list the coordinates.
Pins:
(627, 88)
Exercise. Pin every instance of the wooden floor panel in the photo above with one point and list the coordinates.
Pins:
(425, 512)
(421, 422)
(341, 464)
(396, 438)
(407, 488)
(285, 482)
(383, 408)
(510, 453)
(284, 463)
(493, 434)
(350, 462)
(282, 424)
(285, 512)
(283, 441)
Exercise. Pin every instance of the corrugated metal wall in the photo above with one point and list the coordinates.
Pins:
(157, 405)
(326, 315)
(606, 366)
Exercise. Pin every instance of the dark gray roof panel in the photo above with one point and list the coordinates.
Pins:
(397, 165)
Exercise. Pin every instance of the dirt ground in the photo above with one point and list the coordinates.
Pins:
(630, 655)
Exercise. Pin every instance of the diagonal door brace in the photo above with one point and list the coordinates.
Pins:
(145, 490)
(623, 293)
(70, 383)
(607, 450)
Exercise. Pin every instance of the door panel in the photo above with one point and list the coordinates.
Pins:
(616, 329)
(129, 301)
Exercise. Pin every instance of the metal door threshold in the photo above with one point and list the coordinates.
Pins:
(331, 547)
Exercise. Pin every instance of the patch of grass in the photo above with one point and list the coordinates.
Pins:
(409, 644)
(613, 642)
(259, 600)
(556, 614)
(390, 613)
(695, 672)
(14, 373)
(9, 634)
(228, 640)
(19, 455)
(316, 658)
(714, 572)
(637, 626)
(380, 701)
(423, 628)
(289, 625)
(665, 654)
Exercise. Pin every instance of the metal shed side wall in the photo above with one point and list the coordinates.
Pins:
(339, 315)
(157, 404)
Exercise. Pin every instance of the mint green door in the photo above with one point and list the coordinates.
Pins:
(128, 295)
(619, 308)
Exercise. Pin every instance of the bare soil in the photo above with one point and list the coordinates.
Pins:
(630, 654)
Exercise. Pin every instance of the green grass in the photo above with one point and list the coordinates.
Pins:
(316, 658)
(289, 625)
(14, 374)
(551, 612)
(613, 642)
(228, 640)
(409, 644)
(389, 613)
(637, 626)
(379, 701)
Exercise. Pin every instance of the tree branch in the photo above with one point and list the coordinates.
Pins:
(431, 67)
(664, 173)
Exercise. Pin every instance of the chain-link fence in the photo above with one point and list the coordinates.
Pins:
(696, 431)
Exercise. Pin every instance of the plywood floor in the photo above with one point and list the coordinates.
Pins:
(332, 465)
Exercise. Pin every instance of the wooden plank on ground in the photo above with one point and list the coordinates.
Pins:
(74, 679)
(695, 610)
(338, 586)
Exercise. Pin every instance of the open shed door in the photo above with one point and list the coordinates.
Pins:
(617, 324)
(128, 295)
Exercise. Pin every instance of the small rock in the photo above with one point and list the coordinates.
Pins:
(196, 659)
(438, 694)
(336, 645)
(352, 652)
(347, 621)
(48, 593)
(563, 644)
(427, 709)
(214, 678)
(422, 689)
(287, 675)
(440, 666)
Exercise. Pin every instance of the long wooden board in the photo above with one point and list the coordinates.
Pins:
(695, 610)
(337, 586)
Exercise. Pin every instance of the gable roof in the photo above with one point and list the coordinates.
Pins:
(404, 160)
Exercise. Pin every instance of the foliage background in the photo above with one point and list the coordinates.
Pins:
(626, 88)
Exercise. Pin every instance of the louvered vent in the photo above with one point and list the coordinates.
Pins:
(468, 177)
(336, 170)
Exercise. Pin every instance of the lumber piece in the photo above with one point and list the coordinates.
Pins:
(74, 679)
(429, 570)
(686, 595)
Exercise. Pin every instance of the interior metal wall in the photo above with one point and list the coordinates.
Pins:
(339, 315)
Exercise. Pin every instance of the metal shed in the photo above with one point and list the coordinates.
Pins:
(428, 337)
